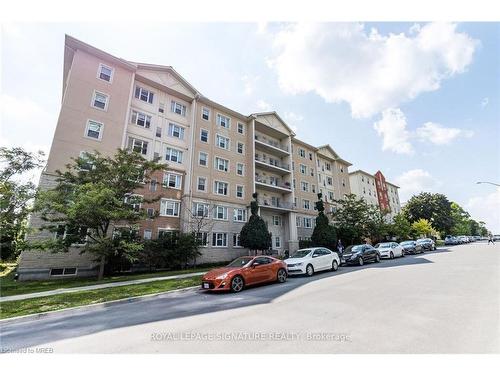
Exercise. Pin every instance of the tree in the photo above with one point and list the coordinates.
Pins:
(254, 235)
(435, 208)
(93, 199)
(15, 196)
(400, 227)
(197, 221)
(423, 227)
(324, 234)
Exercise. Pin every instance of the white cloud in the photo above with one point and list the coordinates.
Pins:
(486, 208)
(249, 84)
(343, 62)
(263, 105)
(415, 181)
(485, 102)
(293, 119)
(392, 129)
(439, 134)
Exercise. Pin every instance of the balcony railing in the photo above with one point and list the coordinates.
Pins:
(270, 203)
(271, 142)
(270, 182)
(272, 162)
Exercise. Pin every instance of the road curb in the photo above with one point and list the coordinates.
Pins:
(37, 316)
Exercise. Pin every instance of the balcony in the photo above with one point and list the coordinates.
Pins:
(275, 206)
(272, 185)
(272, 165)
(271, 146)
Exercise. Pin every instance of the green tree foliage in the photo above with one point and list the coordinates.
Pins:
(94, 197)
(254, 235)
(423, 228)
(15, 196)
(435, 208)
(324, 234)
(400, 228)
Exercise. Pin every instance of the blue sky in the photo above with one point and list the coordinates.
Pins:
(418, 101)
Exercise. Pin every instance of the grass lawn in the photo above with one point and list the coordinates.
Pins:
(9, 287)
(62, 301)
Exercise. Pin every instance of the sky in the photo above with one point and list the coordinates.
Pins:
(418, 101)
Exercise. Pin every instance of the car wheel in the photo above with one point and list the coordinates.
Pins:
(281, 277)
(403, 253)
(335, 265)
(309, 270)
(391, 255)
(360, 261)
(377, 258)
(237, 284)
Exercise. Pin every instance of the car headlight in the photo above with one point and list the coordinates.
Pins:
(221, 277)
(354, 256)
(295, 265)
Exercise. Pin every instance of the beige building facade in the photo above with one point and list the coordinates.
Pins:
(216, 159)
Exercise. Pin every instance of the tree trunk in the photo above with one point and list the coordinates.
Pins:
(101, 267)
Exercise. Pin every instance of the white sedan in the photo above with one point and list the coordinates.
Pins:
(390, 250)
(314, 259)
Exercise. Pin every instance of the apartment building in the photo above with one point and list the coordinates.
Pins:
(215, 157)
(376, 190)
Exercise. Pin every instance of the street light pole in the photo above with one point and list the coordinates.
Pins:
(487, 182)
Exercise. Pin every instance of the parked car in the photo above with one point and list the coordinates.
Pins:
(462, 239)
(245, 271)
(451, 240)
(360, 254)
(411, 247)
(311, 260)
(390, 250)
(427, 244)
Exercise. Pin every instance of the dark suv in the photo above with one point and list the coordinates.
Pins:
(360, 254)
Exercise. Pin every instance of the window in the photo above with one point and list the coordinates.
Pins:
(220, 187)
(239, 191)
(328, 167)
(302, 152)
(70, 271)
(236, 240)
(277, 242)
(220, 213)
(147, 234)
(310, 156)
(158, 131)
(169, 207)
(173, 155)
(277, 220)
(138, 145)
(205, 114)
(241, 148)
(86, 164)
(202, 238)
(203, 159)
(94, 129)
(202, 183)
(306, 204)
(313, 188)
(298, 221)
(240, 214)
(331, 196)
(172, 180)
(222, 142)
(223, 121)
(221, 164)
(153, 185)
(201, 209)
(329, 180)
(100, 100)
(141, 119)
(307, 222)
(150, 213)
(312, 172)
(219, 239)
(240, 169)
(161, 107)
(304, 186)
(241, 128)
(133, 200)
(144, 95)
(204, 135)
(178, 108)
(303, 169)
(105, 73)
(175, 131)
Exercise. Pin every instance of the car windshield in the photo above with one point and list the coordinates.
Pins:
(407, 243)
(301, 254)
(354, 248)
(383, 245)
(420, 241)
(239, 262)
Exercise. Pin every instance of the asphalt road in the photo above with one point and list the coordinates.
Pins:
(446, 301)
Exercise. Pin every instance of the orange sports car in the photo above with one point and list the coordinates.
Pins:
(244, 271)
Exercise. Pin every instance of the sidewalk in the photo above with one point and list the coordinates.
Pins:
(96, 286)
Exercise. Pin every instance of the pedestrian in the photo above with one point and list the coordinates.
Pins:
(340, 247)
(490, 239)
